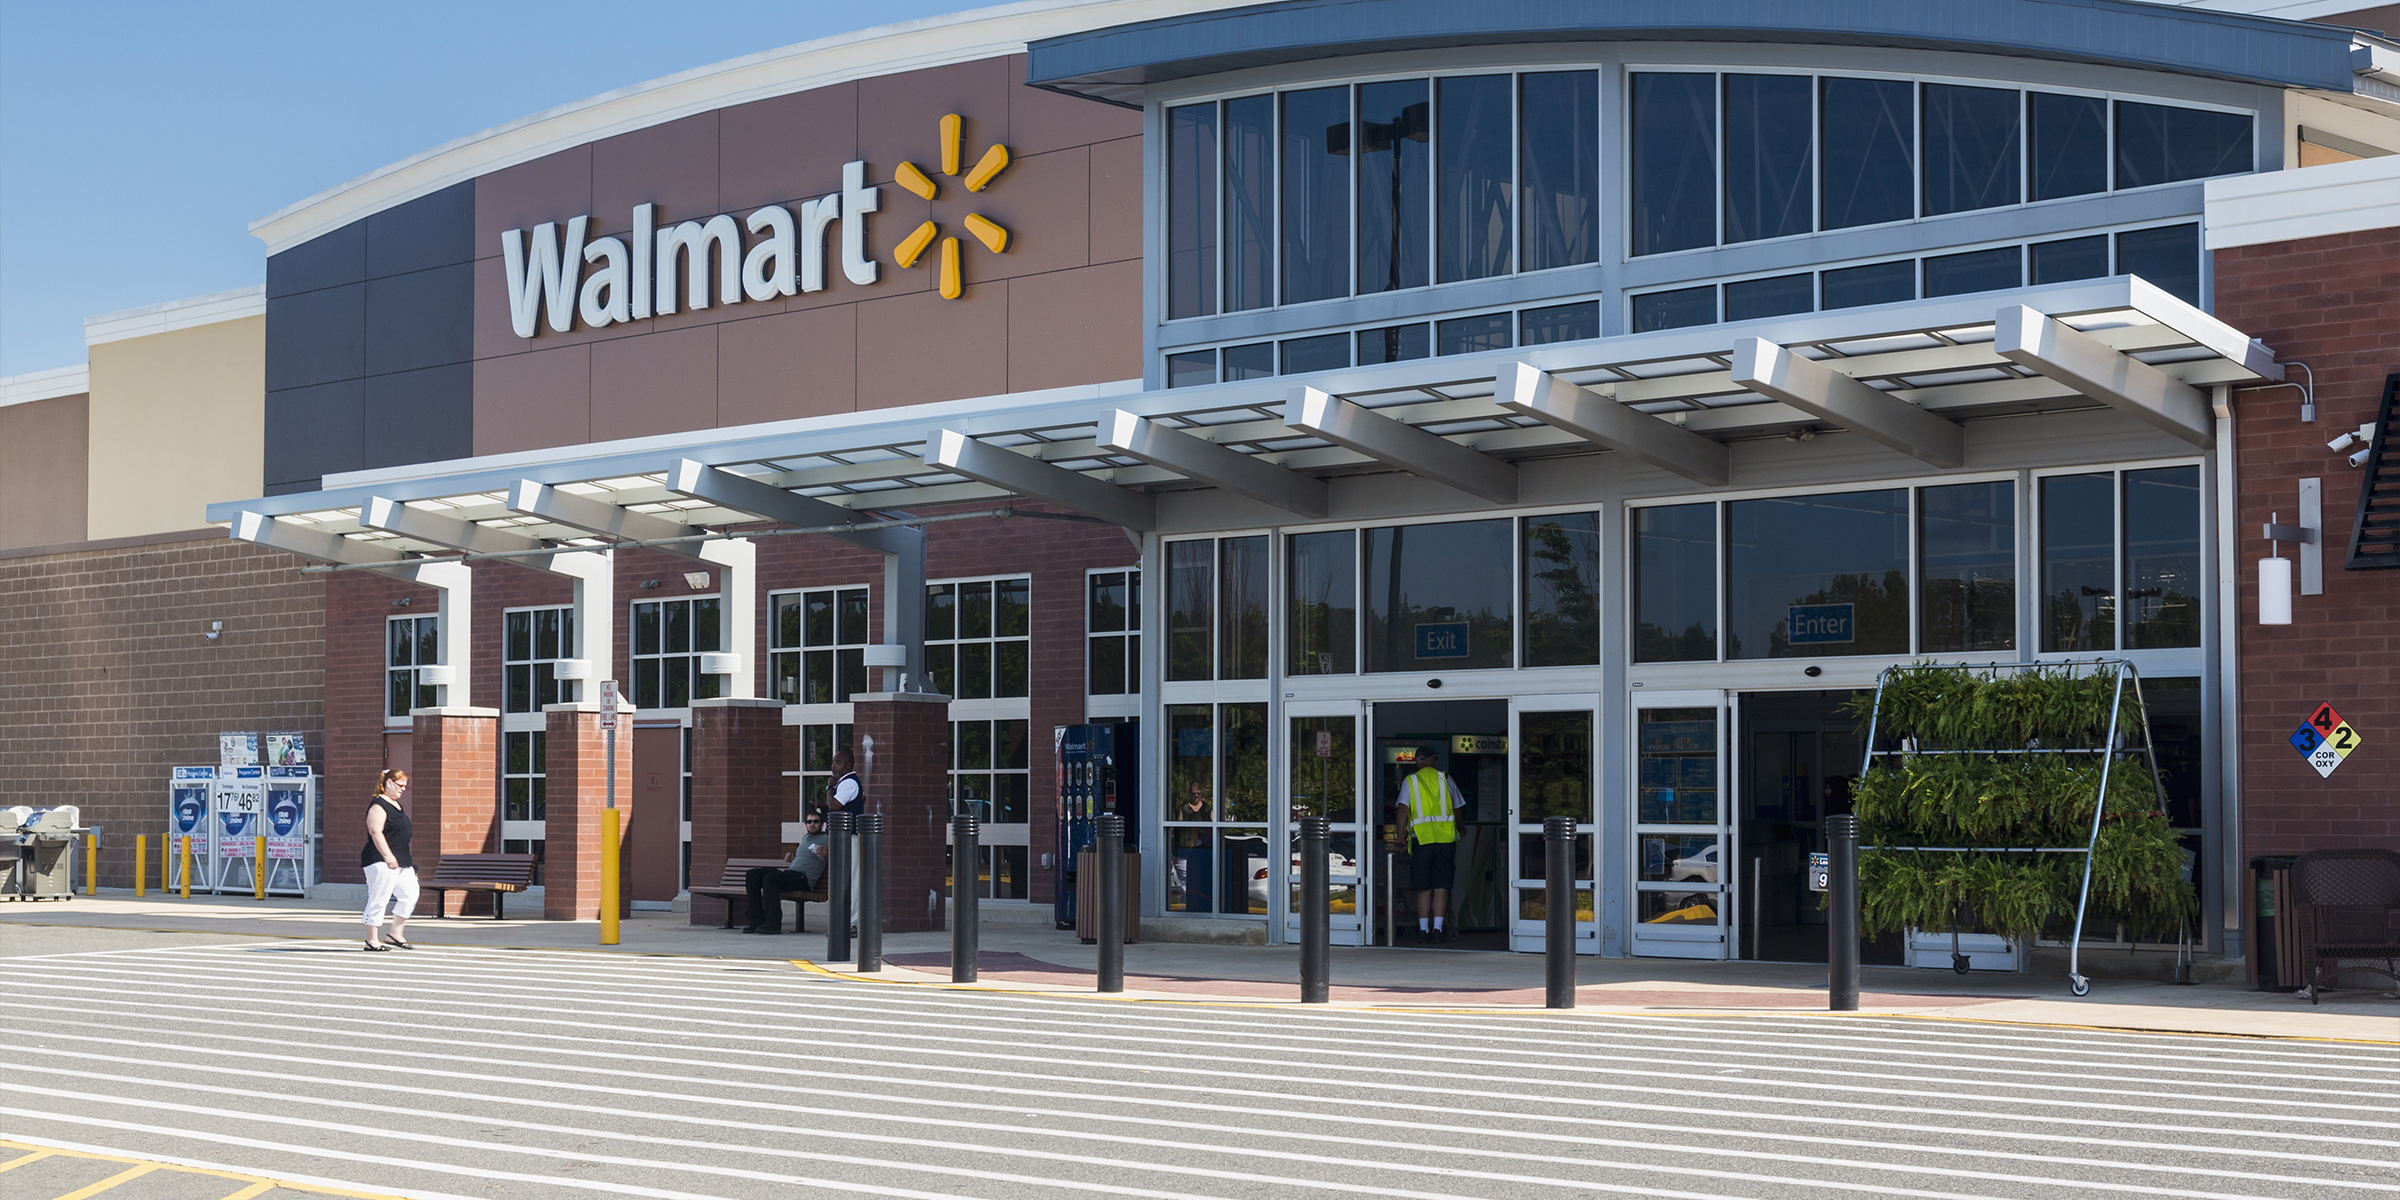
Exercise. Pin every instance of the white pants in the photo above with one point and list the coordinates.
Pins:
(389, 884)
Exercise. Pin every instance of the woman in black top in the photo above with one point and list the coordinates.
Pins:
(391, 873)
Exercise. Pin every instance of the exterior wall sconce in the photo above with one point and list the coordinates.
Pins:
(2275, 572)
(695, 579)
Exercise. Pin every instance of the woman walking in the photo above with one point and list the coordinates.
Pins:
(391, 873)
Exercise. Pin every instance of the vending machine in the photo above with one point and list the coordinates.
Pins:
(290, 830)
(188, 808)
(1098, 771)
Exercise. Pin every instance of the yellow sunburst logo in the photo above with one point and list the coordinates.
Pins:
(978, 177)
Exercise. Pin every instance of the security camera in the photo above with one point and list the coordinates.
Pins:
(2364, 433)
(2360, 459)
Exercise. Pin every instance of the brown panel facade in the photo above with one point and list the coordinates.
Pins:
(792, 364)
(44, 464)
(921, 349)
(653, 830)
(1068, 325)
(661, 383)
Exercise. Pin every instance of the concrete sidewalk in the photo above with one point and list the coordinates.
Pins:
(1034, 957)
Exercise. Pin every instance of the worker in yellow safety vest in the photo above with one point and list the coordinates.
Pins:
(1429, 804)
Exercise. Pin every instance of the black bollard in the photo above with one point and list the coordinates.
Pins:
(837, 887)
(870, 891)
(1316, 911)
(1108, 859)
(1841, 932)
(966, 862)
(1558, 912)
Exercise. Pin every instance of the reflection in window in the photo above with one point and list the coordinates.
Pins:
(1554, 775)
(1467, 335)
(1675, 309)
(817, 645)
(1562, 590)
(1560, 323)
(1249, 203)
(1438, 596)
(1323, 577)
(2070, 259)
(1213, 779)
(1324, 769)
(1558, 164)
(2079, 574)
(1782, 295)
(1191, 763)
(1324, 353)
(1113, 630)
(410, 643)
(1678, 785)
(1976, 271)
(1242, 583)
(1767, 144)
(1191, 609)
(1875, 283)
(1810, 576)
(2159, 144)
(668, 638)
(2168, 258)
(1473, 229)
(2162, 558)
(1192, 211)
(2068, 147)
(1970, 148)
(1967, 556)
(1394, 343)
(1254, 361)
(1674, 162)
(1316, 194)
(977, 637)
(1245, 764)
(1675, 583)
(532, 642)
(1393, 129)
(1867, 127)
(1191, 369)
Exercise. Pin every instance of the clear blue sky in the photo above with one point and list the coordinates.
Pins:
(139, 140)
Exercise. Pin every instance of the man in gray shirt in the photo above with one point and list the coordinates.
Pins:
(804, 873)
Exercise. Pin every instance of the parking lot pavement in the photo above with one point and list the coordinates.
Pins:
(544, 1074)
(70, 1170)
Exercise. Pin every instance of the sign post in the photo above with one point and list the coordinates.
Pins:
(608, 817)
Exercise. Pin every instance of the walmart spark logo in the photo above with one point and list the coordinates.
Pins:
(914, 178)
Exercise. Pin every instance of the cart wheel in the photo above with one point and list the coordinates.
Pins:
(2080, 985)
(1958, 963)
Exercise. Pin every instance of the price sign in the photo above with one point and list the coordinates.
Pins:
(2325, 739)
(608, 704)
(1820, 866)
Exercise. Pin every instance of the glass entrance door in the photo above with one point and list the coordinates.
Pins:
(1551, 759)
(1321, 777)
(1682, 839)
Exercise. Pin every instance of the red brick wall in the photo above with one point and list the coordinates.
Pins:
(578, 794)
(2333, 303)
(356, 604)
(108, 680)
(908, 784)
(737, 790)
(454, 798)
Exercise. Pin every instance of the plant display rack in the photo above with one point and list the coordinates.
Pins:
(2114, 748)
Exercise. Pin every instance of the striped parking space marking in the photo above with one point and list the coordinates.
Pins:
(691, 1076)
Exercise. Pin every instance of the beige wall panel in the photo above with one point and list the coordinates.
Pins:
(1075, 327)
(661, 383)
(2341, 120)
(45, 454)
(186, 410)
(528, 401)
(920, 349)
(778, 368)
(1117, 200)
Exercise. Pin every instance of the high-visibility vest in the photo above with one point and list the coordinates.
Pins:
(1432, 818)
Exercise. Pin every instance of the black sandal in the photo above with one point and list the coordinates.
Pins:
(372, 948)
(389, 940)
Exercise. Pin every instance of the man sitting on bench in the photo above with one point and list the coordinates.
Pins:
(804, 873)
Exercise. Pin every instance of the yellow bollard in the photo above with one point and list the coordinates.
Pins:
(184, 887)
(141, 865)
(608, 877)
(91, 865)
(258, 871)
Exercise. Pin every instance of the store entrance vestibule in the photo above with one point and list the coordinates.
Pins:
(1466, 740)
(1800, 753)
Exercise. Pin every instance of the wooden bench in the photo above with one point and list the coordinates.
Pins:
(2349, 904)
(498, 874)
(731, 889)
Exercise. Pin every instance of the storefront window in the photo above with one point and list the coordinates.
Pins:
(2162, 558)
(1782, 295)
(1767, 152)
(1217, 804)
(1242, 640)
(410, 643)
(1394, 343)
(2079, 576)
(977, 638)
(1393, 132)
(2068, 146)
(1316, 194)
(1976, 271)
(1967, 558)
(1867, 127)
(1970, 148)
(1558, 161)
(668, 638)
(532, 641)
(1809, 576)
(1473, 228)
(2160, 144)
(2070, 259)
(1438, 597)
(1191, 609)
(1322, 575)
(1562, 590)
(1674, 162)
(817, 645)
(1249, 203)
(1675, 583)
(1192, 211)
(1113, 631)
(2168, 257)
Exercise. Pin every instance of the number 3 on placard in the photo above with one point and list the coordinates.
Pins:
(2323, 719)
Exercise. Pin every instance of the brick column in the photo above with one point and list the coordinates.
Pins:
(454, 794)
(904, 754)
(740, 798)
(576, 789)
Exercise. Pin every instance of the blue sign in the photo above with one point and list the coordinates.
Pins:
(2306, 740)
(1824, 624)
(1445, 639)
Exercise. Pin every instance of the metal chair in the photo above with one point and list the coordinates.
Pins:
(2349, 914)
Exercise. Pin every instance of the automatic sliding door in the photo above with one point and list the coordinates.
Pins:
(1682, 841)
(1551, 761)
(1321, 777)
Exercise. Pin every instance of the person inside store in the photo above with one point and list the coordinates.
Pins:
(1428, 809)
(391, 873)
(804, 873)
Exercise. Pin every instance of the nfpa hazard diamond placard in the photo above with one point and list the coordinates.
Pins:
(2325, 740)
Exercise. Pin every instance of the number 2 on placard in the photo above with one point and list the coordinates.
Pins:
(2344, 738)
(2323, 719)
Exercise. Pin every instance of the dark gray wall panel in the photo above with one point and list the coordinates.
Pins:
(419, 416)
(329, 260)
(317, 337)
(422, 319)
(311, 432)
(429, 231)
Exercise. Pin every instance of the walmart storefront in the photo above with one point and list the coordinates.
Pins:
(1587, 402)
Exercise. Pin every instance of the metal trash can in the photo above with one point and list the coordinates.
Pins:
(2274, 926)
(50, 868)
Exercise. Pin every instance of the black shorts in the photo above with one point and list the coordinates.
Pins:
(1432, 867)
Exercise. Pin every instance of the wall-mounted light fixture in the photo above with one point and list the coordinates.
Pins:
(214, 628)
(2275, 572)
(647, 584)
(695, 579)
(404, 602)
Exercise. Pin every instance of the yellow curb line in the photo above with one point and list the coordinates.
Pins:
(144, 1166)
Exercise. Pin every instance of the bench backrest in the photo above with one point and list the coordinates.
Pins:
(486, 868)
(736, 868)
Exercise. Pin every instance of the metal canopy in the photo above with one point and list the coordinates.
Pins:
(1928, 364)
